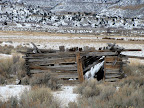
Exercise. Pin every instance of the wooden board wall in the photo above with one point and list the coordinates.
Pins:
(113, 68)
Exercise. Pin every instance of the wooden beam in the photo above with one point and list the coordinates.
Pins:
(79, 68)
(112, 58)
(100, 53)
(36, 48)
(53, 71)
(137, 57)
(60, 67)
(58, 54)
(52, 61)
(132, 50)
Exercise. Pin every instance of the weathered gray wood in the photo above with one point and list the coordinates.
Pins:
(36, 48)
(112, 58)
(60, 67)
(112, 67)
(62, 48)
(112, 71)
(115, 63)
(100, 54)
(67, 76)
(53, 71)
(112, 76)
(132, 50)
(47, 61)
(79, 68)
(138, 57)
(58, 54)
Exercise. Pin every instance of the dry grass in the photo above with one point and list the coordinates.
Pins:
(127, 93)
(46, 79)
(10, 67)
(2, 80)
(36, 98)
(10, 49)
(135, 68)
(88, 89)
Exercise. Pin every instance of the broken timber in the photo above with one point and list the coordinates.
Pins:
(73, 64)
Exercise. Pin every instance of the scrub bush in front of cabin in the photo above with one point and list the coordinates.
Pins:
(46, 79)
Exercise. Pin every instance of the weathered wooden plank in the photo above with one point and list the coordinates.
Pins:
(53, 71)
(138, 57)
(60, 67)
(67, 76)
(112, 67)
(100, 53)
(112, 71)
(36, 48)
(132, 50)
(112, 76)
(79, 68)
(53, 60)
(112, 58)
(115, 63)
(58, 54)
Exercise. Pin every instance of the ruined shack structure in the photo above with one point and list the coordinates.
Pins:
(77, 64)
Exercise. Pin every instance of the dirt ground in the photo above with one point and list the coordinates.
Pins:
(54, 40)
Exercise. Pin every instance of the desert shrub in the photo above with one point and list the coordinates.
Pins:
(88, 89)
(2, 80)
(8, 49)
(46, 79)
(12, 66)
(39, 98)
(6, 67)
(135, 68)
(35, 98)
(133, 81)
(72, 105)
(11, 103)
(25, 80)
(129, 94)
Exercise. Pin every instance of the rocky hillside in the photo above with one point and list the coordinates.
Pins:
(86, 14)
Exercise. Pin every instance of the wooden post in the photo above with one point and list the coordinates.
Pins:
(104, 68)
(79, 68)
